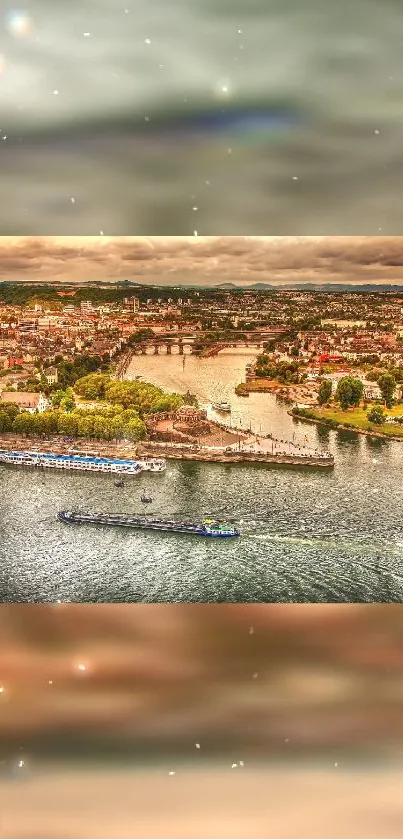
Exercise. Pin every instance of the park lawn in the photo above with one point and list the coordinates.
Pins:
(357, 417)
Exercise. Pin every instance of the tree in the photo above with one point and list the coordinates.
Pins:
(85, 425)
(349, 392)
(67, 424)
(357, 391)
(140, 336)
(135, 430)
(57, 397)
(10, 409)
(128, 415)
(92, 386)
(373, 374)
(100, 428)
(387, 385)
(344, 392)
(116, 428)
(325, 391)
(376, 415)
(67, 404)
(190, 399)
(46, 423)
(24, 423)
(5, 422)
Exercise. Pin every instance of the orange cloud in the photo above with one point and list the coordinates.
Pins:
(203, 260)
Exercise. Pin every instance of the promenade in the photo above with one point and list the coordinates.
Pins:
(236, 454)
(249, 451)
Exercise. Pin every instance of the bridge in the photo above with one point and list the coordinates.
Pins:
(178, 346)
(216, 348)
(163, 346)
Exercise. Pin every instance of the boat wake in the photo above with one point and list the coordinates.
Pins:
(332, 542)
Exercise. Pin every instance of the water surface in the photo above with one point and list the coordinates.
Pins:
(307, 534)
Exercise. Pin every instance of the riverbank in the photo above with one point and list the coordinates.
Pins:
(176, 451)
(123, 364)
(169, 451)
(306, 393)
(347, 425)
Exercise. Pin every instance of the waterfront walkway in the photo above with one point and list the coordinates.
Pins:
(249, 449)
(268, 445)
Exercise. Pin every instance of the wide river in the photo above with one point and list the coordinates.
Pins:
(307, 534)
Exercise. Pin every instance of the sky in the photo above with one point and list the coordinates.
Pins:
(204, 261)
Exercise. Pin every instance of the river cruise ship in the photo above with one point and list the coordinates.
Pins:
(87, 463)
(207, 527)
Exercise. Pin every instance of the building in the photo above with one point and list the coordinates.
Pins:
(190, 414)
(371, 390)
(132, 303)
(31, 402)
(51, 375)
(15, 360)
(86, 306)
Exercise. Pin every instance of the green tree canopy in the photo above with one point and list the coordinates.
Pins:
(387, 386)
(24, 423)
(349, 392)
(6, 421)
(92, 386)
(325, 391)
(376, 415)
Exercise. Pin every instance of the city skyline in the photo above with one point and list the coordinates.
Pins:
(204, 261)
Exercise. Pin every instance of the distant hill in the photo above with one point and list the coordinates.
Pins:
(239, 287)
(331, 288)
(266, 286)
(350, 288)
(344, 287)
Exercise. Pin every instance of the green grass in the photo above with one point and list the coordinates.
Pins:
(357, 418)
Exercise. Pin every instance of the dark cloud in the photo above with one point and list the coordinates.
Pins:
(204, 260)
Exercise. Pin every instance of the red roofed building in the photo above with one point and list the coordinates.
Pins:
(330, 358)
(13, 360)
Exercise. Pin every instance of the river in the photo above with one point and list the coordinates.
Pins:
(214, 380)
(264, 116)
(307, 534)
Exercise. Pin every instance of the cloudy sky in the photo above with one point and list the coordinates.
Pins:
(203, 260)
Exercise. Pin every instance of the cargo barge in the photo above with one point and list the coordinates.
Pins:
(206, 527)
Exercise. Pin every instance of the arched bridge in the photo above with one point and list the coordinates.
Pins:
(169, 346)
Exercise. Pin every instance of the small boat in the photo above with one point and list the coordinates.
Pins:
(119, 483)
(223, 407)
(146, 499)
(207, 527)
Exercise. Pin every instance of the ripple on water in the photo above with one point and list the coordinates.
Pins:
(307, 535)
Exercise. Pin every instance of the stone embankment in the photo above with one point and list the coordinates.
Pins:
(174, 451)
(123, 364)
(188, 452)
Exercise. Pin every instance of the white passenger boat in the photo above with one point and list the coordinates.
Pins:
(222, 407)
(85, 463)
